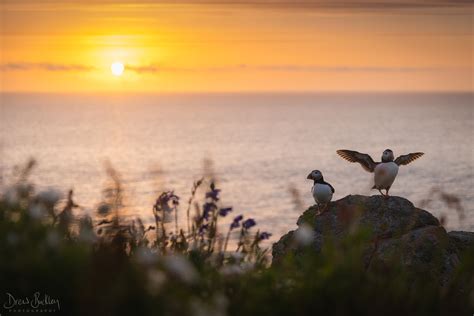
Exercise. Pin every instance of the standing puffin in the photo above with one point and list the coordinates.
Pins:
(385, 171)
(322, 191)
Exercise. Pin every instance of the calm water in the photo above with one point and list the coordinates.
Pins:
(260, 146)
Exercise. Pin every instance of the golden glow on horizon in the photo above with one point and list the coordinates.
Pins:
(117, 68)
(211, 48)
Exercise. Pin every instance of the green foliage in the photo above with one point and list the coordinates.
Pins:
(109, 265)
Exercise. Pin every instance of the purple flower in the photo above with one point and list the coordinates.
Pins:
(203, 228)
(207, 209)
(235, 223)
(249, 223)
(162, 203)
(264, 235)
(214, 194)
(224, 211)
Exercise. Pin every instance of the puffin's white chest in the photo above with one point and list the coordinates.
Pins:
(385, 174)
(322, 193)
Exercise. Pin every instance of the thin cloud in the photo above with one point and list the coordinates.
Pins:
(24, 66)
(340, 69)
(279, 68)
(153, 68)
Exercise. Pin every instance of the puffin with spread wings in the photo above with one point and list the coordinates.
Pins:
(385, 171)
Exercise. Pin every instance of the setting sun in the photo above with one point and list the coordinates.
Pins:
(117, 68)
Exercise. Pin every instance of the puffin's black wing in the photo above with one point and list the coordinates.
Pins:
(353, 156)
(332, 189)
(406, 159)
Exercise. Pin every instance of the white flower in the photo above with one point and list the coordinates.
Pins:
(237, 269)
(37, 211)
(181, 267)
(156, 280)
(237, 256)
(216, 307)
(247, 266)
(304, 235)
(86, 230)
(14, 193)
(49, 196)
(11, 196)
(145, 256)
(231, 269)
(87, 235)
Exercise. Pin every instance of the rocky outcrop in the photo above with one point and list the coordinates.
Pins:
(463, 241)
(397, 230)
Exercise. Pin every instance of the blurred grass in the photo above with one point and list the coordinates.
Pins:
(108, 265)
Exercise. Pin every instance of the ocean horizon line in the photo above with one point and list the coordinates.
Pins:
(242, 93)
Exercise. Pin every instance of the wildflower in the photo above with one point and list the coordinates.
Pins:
(236, 222)
(166, 203)
(162, 203)
(173, 238)
(49, 196)
(14, 194)
(207, 209)
(11, 196)
(86, 230)
(167, 217)
(249, 223)
(156, 280)
(37, 211)
(145, 256)
(215, 306)
(213, 194)
(237, 256)
(224, 211)
(53, 239)
(231, 269)
(247, 266)
(87, 236)
(181, 267)
(264, 235)
(203, 228)
(304, 235)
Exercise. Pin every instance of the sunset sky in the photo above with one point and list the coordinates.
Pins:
(238, 46)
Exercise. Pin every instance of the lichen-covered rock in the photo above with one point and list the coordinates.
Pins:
(397, 231)
(423, 250)
(463, 241)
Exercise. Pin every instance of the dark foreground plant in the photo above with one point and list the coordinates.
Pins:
(111, 265)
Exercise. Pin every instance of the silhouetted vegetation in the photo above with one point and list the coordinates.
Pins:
(107, 264)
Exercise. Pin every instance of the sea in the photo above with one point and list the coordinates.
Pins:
(258, 148)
